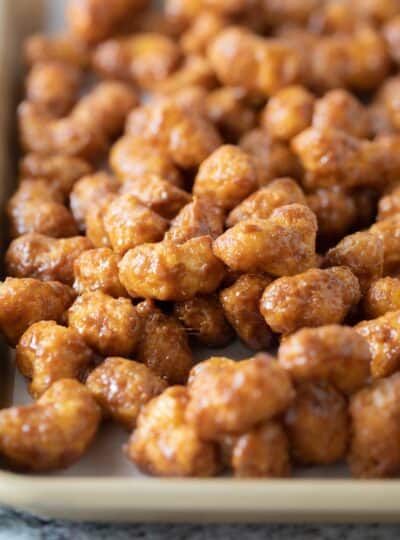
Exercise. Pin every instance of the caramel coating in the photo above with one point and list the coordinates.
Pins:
(317, 424)
(187, 137)
(94, 221)
(41, 48)
(363, 253)
(262, 66)
(388, 231)
(110, 326)
(168, 271)
(387, 97)
(133, 157)
(288, 112)
(157, 194)
(283, 244)
(97, 270)
(52, 433)
(48, 352)
(163, 344)
(201, 217)
(389, 205)
(203, 29)
(375, 447)
(204, 319)
(241, 303)
(176, 451)
(383, 337)
(313, 298)
(26, 301)
(391, 33)
(122, 387)
(226, 177)
(194, 71)
(263, 202)
(225, 396)
(50, 259)
(382, 296)
(332, 353)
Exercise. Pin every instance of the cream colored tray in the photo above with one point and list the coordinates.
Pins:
(104, 486)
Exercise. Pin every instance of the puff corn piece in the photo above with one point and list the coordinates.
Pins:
(277, 12)
(382, 296)
(231, 397)
(283, 244)
(110, 326)
(387, 231)
(333, 353)
(24, 301)
(312, 298)
(317, 424)
(265, 200)
(227, 176)
(48, 352)
(60, 48)
(122, 387)
(391, 33)
(169, 271)
(97, 270)
(176, 451)
(52, 433)
(374, 447)
(387, 95)
(195, 70)
(382, 336)
(389, 205)
(241, 302)
(163, 345)
(50, 259)
(201, 31)
(204, 319)
(94, 222)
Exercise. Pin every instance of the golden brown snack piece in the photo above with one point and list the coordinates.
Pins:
(277, 12)
(110, 326)
(97, 270)
(382, 296)
(52, 433)
(387, 97)
(383, 337)
(194, 71)
(379, 119)
(262, 66)
(374, 448)
(201, 217)
(391, 33)
(59, 48)
(163, 344)
(157, 194)
(54, 86)
(262, 452)
(389, 205)
(188, 137)
(50, 259)
(227, 176)
(204, 319)
(317, 424)
(94, 222)
(241, 303)
(122, 387)
(283, 244)
(165, 444)
(332, 353)
(363, 253)
(202, 30)
(133, 157)
(313, 298)
(26, 301)
(264, 201)
(144, 59)
(168, 271)
(388, 231)
(48, 352)
(288, 112)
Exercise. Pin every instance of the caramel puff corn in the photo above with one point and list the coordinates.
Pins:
(391, 33)
(277, 12)
(317, 424)
(122, 387)
(163, 345)
(40, 48)
(24, 301)
(94, 221)
(241, 305)
(389, 204)
(283, 244)
(168, 271)
(374, 446)
(194, 71)
(52, 433)
(382, 296)
(388, 231)
(312, 298)
(110, 326)
(175, 451)
(97, 270)
(333, 353)
(205, 27)
(50, 259)
(231, 397)
(48, 352)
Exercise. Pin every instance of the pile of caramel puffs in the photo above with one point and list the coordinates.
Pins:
(209, 171)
